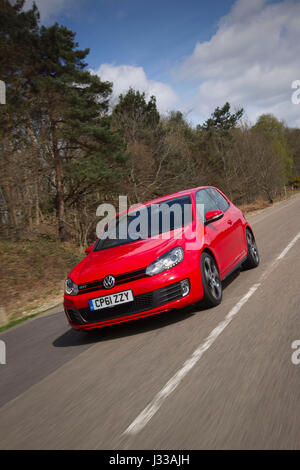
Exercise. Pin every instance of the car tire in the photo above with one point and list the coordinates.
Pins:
(211, 281)
(252, 260)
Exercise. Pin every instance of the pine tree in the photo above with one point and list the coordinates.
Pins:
(18, 41)
(74, 103)
(135, 115)
(222, 119)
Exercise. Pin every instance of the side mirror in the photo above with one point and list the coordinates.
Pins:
(212, 216)
(89, 249)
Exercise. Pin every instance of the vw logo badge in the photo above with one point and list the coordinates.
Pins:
(109, 281)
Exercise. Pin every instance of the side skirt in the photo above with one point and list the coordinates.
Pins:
(237, 266)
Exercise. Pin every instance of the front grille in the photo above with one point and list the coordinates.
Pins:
(141, 303)
(120, 279)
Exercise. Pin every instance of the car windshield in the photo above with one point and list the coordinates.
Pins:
(147, 221)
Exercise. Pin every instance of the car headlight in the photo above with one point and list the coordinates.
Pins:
(71, 288)
(166, 261)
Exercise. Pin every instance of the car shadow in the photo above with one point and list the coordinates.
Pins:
(120, 330)
(135, 327)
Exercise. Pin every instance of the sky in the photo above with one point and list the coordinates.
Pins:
(193, 55)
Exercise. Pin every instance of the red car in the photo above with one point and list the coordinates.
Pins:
(180, 261)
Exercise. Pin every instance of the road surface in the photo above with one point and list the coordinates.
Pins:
(195, 379)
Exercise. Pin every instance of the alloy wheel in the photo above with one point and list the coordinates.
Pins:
(252, 248)
(212, 278)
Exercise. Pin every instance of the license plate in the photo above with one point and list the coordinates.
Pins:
(111, 300)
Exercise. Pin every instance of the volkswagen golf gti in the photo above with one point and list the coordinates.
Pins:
(162, 255)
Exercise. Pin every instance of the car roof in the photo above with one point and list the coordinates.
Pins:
(185, 192)
(167, 197)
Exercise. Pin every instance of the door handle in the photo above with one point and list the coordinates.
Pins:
(229, 222)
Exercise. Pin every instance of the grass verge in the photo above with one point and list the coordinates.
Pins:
(32, 277)
(22, 319)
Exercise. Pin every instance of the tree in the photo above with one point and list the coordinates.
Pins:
(72, 104)
(218, 132)
(274, 131)
(55, 128)
(222, 119)
(135, 115)
(293, 141)
(18, 40)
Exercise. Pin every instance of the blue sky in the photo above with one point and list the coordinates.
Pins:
(194, 55)
(153, 33)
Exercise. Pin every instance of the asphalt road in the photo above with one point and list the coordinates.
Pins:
(194, 379)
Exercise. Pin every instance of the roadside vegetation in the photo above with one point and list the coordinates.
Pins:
(64, 149)
(32, 275)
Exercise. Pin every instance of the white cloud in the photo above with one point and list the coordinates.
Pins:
(251, 60)
(49, 9)
(125, 76)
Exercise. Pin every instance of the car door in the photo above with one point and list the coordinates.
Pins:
(233, 225)
(219, 234)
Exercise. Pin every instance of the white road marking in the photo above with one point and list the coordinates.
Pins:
(277, 260)
(144, 417)
(290, 245)
(140, 422)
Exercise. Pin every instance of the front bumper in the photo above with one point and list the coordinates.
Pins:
(150, 303)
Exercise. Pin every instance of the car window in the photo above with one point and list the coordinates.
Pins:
(149, 221)
(220, 200)
(204, 203)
